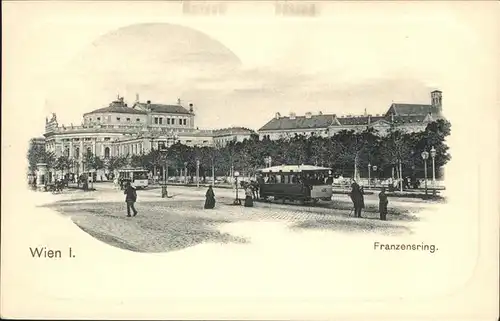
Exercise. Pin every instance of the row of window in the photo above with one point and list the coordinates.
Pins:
(170, 121)
(86, 139)
(117, 118)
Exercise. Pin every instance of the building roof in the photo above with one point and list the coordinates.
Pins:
(360, 120)
(298, 122)
(232, 131)
(160, 108)
(410, 109)
(117, 106)
(408, 119)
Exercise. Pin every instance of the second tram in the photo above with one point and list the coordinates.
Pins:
(303, 183)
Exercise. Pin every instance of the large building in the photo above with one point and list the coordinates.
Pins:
(406, 117)
(119, 130)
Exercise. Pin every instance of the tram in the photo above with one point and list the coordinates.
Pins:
(136, 176)
(302, 183)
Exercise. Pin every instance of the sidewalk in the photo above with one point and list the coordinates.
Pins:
(414, 193)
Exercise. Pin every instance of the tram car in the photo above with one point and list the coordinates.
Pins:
(136, 176)
(295, 183)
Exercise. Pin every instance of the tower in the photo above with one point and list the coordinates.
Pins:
(437, 100)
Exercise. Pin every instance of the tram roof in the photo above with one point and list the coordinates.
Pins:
(293, 168)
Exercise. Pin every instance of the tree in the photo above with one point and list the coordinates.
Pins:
(116, 162)
(397, 150)
(355, 148)
(434, 135)
(37, 154)
(136, 161)
(93, 162)
(62, 163)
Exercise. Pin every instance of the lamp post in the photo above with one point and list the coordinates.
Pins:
(237, 200)
(425, 155)
(433, 156)
(185, 172)
(197, 173)
(369, 175)
(374, 167)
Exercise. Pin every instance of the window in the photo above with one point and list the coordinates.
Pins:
(168, 121)
(90, 119)
(184, 121)
(118, 118)
(138, 119)
(107, 138)
(109, 118)
(156, 120)
(161, 120)
(106, 152)
(87, 138)
(128, 119)
(98, 118)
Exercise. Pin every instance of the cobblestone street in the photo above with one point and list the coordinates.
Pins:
(177, 222)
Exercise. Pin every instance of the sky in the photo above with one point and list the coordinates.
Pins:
(238, 70)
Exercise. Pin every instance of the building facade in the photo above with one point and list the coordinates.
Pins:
(405, 117)
(120, 130)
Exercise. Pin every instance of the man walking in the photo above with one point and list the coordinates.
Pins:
(130, 198)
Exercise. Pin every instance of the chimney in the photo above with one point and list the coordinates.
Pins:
(320, 113)
(292, 115)
(308, 115)
(136, 98)
(277, 116)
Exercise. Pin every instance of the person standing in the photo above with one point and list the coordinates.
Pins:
(382, 204)
(130, 198)
(248, 196)
(357, 198)
(209, 198)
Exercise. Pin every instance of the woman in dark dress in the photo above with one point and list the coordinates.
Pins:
(357, 199)
(382, 204)
(248, 196)
(210, 198)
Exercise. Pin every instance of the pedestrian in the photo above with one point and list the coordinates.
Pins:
(130, 198)
(357, 198)
(382, 204)
(248, 196)
(255, 189)
(209, 198)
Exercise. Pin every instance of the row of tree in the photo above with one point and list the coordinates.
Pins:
(349, 153)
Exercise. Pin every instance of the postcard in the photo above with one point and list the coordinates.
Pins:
(250, 160)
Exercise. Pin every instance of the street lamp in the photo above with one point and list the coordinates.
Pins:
(237, 200)
(185, 172)
(374, 167)
(197, 173)
(433, 155)
(369, 175)
(425, 155)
